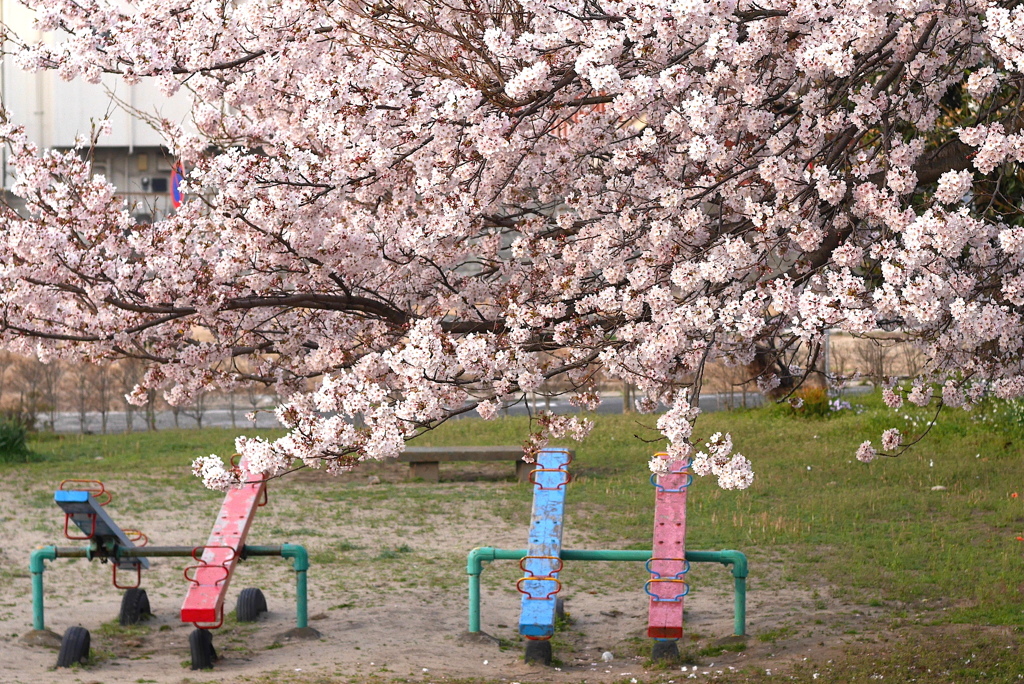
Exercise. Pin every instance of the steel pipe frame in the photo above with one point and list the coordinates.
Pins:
(485, 554)
(296, 552)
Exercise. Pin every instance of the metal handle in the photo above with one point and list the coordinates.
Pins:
(689, 481)
(659, 599)
(678, 575)
(533, 480)
(98, 490)
(138, 576)
(531, 574)
(92, 531)
(519, 588)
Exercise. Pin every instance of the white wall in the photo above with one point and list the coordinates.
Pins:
(55, 111)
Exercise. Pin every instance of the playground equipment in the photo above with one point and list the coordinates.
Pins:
(542, 563)
(204, 603)
(667, 562)
(83, 502)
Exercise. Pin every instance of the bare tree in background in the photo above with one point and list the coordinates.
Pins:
(103, 387)
(80, 384)
(6, 361)
(196, 411)
(231, 408)
(52, 373)
(28, 381)
(151, 410)
(126, 375)
(875, 356)
(911, 358)
(839, 356)
(254, 396)
(627, 397)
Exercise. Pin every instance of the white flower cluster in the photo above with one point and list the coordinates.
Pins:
(520, 195)
(213, 474)
(954, 186)
(891, 439)
(865, 452)
(528, 81)
(733, 470)
(659, 464)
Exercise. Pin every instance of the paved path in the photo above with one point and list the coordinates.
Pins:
(69, 422)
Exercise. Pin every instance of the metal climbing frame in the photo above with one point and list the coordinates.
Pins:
(668, 566)
(542, 562)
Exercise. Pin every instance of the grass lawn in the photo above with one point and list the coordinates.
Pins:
(933, 538)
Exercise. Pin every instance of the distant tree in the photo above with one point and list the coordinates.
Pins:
(80, 382)
(875, 356)
(7, 360)
(103, 389)
(196, 411)
(127, 374)
(28, 382)
(51, 374)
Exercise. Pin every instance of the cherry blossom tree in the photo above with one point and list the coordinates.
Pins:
(426, 208)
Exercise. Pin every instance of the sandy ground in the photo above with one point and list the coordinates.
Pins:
(387, 592)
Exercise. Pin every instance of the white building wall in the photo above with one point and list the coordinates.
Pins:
(55, 112)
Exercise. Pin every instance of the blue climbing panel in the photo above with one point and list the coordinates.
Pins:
(81, 508)
(541, 566)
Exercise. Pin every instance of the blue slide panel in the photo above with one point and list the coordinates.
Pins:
(82, 506)
(537, 618)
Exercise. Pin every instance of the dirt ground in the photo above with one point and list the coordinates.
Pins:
(387, 592)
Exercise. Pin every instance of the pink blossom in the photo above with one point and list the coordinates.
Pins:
(892, 399)
(865, 452)
(891, 439)
(451, 206)
(953, 185)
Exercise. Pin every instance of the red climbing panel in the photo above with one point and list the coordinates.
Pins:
(668, 566)
(210, 578)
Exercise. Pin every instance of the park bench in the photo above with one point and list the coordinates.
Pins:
(424, 462)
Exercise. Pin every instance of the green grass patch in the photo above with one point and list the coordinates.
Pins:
(13, 441)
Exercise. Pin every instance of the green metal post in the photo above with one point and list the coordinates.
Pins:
(474, 602)
(300, 562)
(739, 574)
(36, 567)
(474, 566)
(298, 554)
(739, 601)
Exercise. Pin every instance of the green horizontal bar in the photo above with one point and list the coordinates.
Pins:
(485, 554)
(159, 551)
(297, 553)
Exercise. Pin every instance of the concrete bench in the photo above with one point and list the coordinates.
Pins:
(424, 462)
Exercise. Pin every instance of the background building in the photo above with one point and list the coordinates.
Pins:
(55, 112)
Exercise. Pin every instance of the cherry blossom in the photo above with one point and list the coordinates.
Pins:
(412, 210)
(891, 439)
(865, 452)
